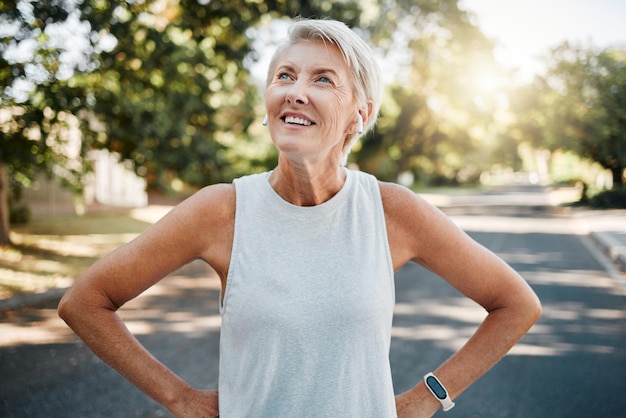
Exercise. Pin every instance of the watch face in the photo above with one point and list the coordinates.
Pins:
(436, 387)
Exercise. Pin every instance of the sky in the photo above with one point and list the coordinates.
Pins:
(525, 30)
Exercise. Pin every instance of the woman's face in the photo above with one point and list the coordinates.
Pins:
(310, 101)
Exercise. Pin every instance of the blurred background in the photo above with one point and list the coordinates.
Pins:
(508, 114)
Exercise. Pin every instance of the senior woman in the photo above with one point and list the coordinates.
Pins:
(306, 254)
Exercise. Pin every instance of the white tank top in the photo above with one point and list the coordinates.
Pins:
(308, 306)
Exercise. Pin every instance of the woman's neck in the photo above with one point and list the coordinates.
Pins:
(307, 185)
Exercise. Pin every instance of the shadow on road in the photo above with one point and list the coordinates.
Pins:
(571, 365)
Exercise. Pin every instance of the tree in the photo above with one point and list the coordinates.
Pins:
(603, 135)
(39, 100)
(580, 105)
(161, 83)
(174, 94)
(429, 114)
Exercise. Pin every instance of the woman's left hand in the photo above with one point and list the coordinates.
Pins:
(415, 404)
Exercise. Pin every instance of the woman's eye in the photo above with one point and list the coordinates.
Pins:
(283, 76)
(324, 79)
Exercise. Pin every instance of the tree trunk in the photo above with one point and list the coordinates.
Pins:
(4, 205)
(618, 176)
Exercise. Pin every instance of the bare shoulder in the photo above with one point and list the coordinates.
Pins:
(213, 203)
(397, 198)
(217, 195)
(404, 207)
(411, 222)
(204, 212)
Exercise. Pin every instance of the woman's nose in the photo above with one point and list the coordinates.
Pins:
(297, 94)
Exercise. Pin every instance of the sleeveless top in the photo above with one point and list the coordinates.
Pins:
(308, 306)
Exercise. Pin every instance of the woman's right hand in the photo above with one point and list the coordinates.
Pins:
(416, 403)
(197, 403)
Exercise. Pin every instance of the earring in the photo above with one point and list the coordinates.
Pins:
(265, 120)
(359, 124)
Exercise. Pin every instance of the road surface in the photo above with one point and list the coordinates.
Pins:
(572, 364)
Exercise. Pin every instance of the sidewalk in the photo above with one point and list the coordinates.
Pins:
(607, 229)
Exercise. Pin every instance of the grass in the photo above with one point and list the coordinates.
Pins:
(51, 252)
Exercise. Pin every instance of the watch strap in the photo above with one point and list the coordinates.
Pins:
(439, 391)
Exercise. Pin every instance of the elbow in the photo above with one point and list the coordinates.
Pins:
(65, 309)
(533, 310)
(70, 307)
(528, 306)
(538, 309)
(81, 305)
(524, 312)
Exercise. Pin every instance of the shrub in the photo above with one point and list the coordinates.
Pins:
(610, 199)
(19, 215)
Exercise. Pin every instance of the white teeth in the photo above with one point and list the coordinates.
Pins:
(298, 121)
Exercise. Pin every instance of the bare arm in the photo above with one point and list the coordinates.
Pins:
(420, 232)
(197, 228)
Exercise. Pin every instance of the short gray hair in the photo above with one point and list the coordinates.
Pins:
(365, 72)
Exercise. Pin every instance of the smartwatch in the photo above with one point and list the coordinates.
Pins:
(439, 391)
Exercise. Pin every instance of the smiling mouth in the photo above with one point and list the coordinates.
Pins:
(297, 121)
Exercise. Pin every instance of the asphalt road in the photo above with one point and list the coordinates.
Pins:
(572, 364)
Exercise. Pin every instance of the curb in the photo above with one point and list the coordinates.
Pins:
(26, 300)
(611, 247)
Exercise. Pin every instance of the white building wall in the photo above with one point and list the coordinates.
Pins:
(115, 183)
(112, 183)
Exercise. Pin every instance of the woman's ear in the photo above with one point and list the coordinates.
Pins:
(357, 128)
(365, 114)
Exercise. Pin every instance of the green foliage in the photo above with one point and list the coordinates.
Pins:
(170, 87)
(174, 94)
(160, 83)
(579, 106)
(39, 100)
(163, 84)
(609, 199)
(437, 100)
(19, 214)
